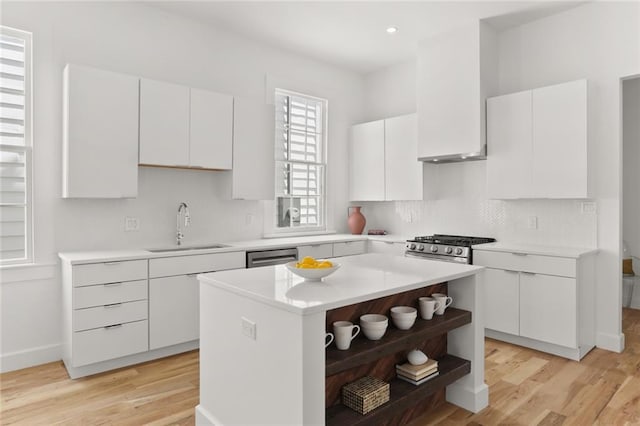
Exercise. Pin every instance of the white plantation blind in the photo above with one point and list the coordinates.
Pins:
(15, 146)
(300, 160)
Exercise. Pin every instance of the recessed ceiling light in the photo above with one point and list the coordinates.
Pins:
(392, 30)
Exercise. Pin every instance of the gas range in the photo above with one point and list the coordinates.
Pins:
(448, 248)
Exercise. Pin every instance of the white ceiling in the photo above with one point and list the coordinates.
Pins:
(351, 34)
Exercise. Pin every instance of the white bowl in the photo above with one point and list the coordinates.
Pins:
(312, 274)
(404, 311)
(403, 323)
(373, 326)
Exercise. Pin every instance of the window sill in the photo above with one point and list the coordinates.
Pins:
(297, 234)
(27, 272)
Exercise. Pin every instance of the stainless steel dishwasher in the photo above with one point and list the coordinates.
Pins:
(271, 257)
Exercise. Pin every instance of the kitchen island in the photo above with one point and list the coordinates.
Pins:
(262, 354)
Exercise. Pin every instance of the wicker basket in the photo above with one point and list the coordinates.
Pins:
(365, 394)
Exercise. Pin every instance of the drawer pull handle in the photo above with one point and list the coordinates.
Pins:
(528, 273)
(510, 271)
(112, 263)
(389, 242)
(112, 305)
(113, 284)
(314, 245)
(192, 275)
(111, 327)
(519, 254)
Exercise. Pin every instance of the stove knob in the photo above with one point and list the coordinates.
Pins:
(412, 247)
(434, 249)
(421, 247)
(458, 251)
(448, 250)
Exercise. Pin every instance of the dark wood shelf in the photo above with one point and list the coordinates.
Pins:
(402, 395)
(363, 350)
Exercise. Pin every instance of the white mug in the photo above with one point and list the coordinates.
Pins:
(330, 336)
(444, 300)
(428, 306)
(344, 332)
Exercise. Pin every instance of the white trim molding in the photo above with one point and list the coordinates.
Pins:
(30, 357)
(610, 342)
(30, 272)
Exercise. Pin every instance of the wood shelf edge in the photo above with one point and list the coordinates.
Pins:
(403, 395)
(363, 351)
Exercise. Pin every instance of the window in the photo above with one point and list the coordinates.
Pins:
(15, 146)
(300, 162)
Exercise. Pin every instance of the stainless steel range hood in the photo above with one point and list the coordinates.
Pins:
(456, 158)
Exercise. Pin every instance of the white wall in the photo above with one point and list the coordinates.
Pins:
(141, 40)
(597, 41)
(390, 91)
(631, 166)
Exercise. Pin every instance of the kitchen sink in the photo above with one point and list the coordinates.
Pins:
(186, 248)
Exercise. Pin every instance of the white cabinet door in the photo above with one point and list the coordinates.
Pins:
(100, 138)
(366, 162)
(403, 171)
(349, 248)
(317, 251)
(253, 150)
(501, 300)
(211, 128)
(174, 310)
(548, 309)
(509, 146)
(164, 124)
(560, 141)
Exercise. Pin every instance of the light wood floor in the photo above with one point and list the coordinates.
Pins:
(526, 387)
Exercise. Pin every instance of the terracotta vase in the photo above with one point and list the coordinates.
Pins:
(356, 220)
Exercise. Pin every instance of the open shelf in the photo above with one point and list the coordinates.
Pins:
(402, 395)
(363, 350)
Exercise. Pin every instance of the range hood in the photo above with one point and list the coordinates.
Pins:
(457, 71)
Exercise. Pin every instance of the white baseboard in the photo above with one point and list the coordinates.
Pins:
(205, 418)
(30, 357)
(610, 342)
(470, 399)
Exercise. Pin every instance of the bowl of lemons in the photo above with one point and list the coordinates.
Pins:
(311, 269)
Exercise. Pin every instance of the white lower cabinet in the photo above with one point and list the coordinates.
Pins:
(546, 302)
(174, 294)
(113, 341)
(317, 251)
(174, 313)
(502, 300)
(548, 309)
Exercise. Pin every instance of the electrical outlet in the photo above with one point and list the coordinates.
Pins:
(131, 224)
(248, 219)
(532, 222)
(588, 207)
(248, 328)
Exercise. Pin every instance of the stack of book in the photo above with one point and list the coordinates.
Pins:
(417, 374)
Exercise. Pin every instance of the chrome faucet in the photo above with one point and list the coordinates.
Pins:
(187, 220)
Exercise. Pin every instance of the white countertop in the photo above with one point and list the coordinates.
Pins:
(80, 257)
(557, 251)
(362, 277)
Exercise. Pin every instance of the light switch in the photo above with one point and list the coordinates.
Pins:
(532, 222)
(131, 224)
(248, 328)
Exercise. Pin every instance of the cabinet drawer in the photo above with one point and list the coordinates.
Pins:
(550, 265)
(387, 247)
(105, 294)
(106, 343)
(101, 316)
(109, 272)
(194, 264)
(317, 251)
(349, 248)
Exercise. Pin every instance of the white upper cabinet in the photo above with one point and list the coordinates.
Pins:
(382, 160)
(403, 171)
(211, 130)
(538, 143)
(100, 136)
(164, 124)
(457, 70)
(253, 175)
(510, 150)
(560, 141)
(366, 162)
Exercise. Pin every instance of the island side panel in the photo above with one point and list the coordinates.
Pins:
(470, 392)
(278, 378)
